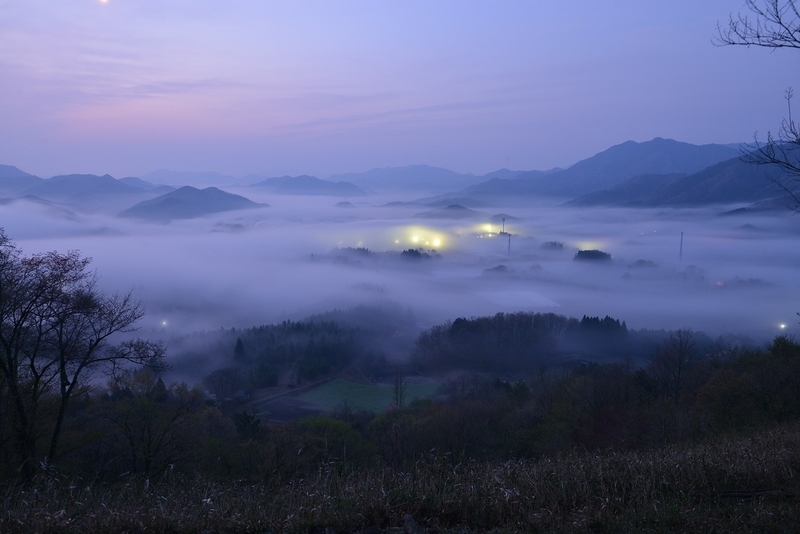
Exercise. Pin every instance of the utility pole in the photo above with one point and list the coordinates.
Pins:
(680, 254)
(507, 234)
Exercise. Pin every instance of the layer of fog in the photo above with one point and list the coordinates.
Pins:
(737, 274)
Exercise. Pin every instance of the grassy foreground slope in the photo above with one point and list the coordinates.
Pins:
(721, 485)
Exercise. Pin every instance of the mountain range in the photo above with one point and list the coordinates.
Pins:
(620, 162)
(179, 178)
(726, 182)
(605, 170)
(417, 178)
(84, 192)
(660, 172)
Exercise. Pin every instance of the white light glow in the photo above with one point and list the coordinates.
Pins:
(416, 236)
(589, 245)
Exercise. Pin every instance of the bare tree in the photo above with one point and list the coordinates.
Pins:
(673, 368)
(771, 24)
(776, 24)
(55, 329)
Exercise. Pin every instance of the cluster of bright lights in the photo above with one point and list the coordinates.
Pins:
(486, 230)
(418, 236)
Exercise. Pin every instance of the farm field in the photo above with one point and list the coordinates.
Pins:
(373, 398)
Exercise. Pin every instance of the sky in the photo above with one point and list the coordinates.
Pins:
(319, 87)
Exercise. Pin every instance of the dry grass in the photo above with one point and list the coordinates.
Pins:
(734, 484)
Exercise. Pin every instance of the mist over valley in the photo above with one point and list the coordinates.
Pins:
(245, 255)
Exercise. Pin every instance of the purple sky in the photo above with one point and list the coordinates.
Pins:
(279, 87)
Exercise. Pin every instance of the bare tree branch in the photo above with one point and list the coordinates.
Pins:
(782, 153)
(776, 25)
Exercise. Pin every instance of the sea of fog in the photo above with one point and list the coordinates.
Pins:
(736, 274)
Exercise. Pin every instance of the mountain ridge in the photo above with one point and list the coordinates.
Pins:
(308, 185)
(728, 182)
(607, 169)
(188, 202)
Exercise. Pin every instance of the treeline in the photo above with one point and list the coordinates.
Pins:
(296, 352)
(511, 342)
(304, 350)
(313, 348)
(681, 394)
(138, 425)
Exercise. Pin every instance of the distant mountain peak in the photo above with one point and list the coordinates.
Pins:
(9, 171)
(608, 168)
(14, 181)
(189, 202)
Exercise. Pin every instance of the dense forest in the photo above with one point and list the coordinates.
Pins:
(136, 424)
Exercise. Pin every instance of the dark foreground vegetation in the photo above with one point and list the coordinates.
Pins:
(687, 443)
(722, 485)
(550, 423)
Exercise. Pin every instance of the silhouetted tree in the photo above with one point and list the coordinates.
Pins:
(238, 351)
(673, 364)
(774, 24)
(55, 328)
(672, 367)
(146, 417)
(248, 425)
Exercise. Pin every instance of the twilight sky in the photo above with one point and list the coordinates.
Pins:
(322, 87)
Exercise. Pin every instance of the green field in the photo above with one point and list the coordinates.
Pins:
(363, 396)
